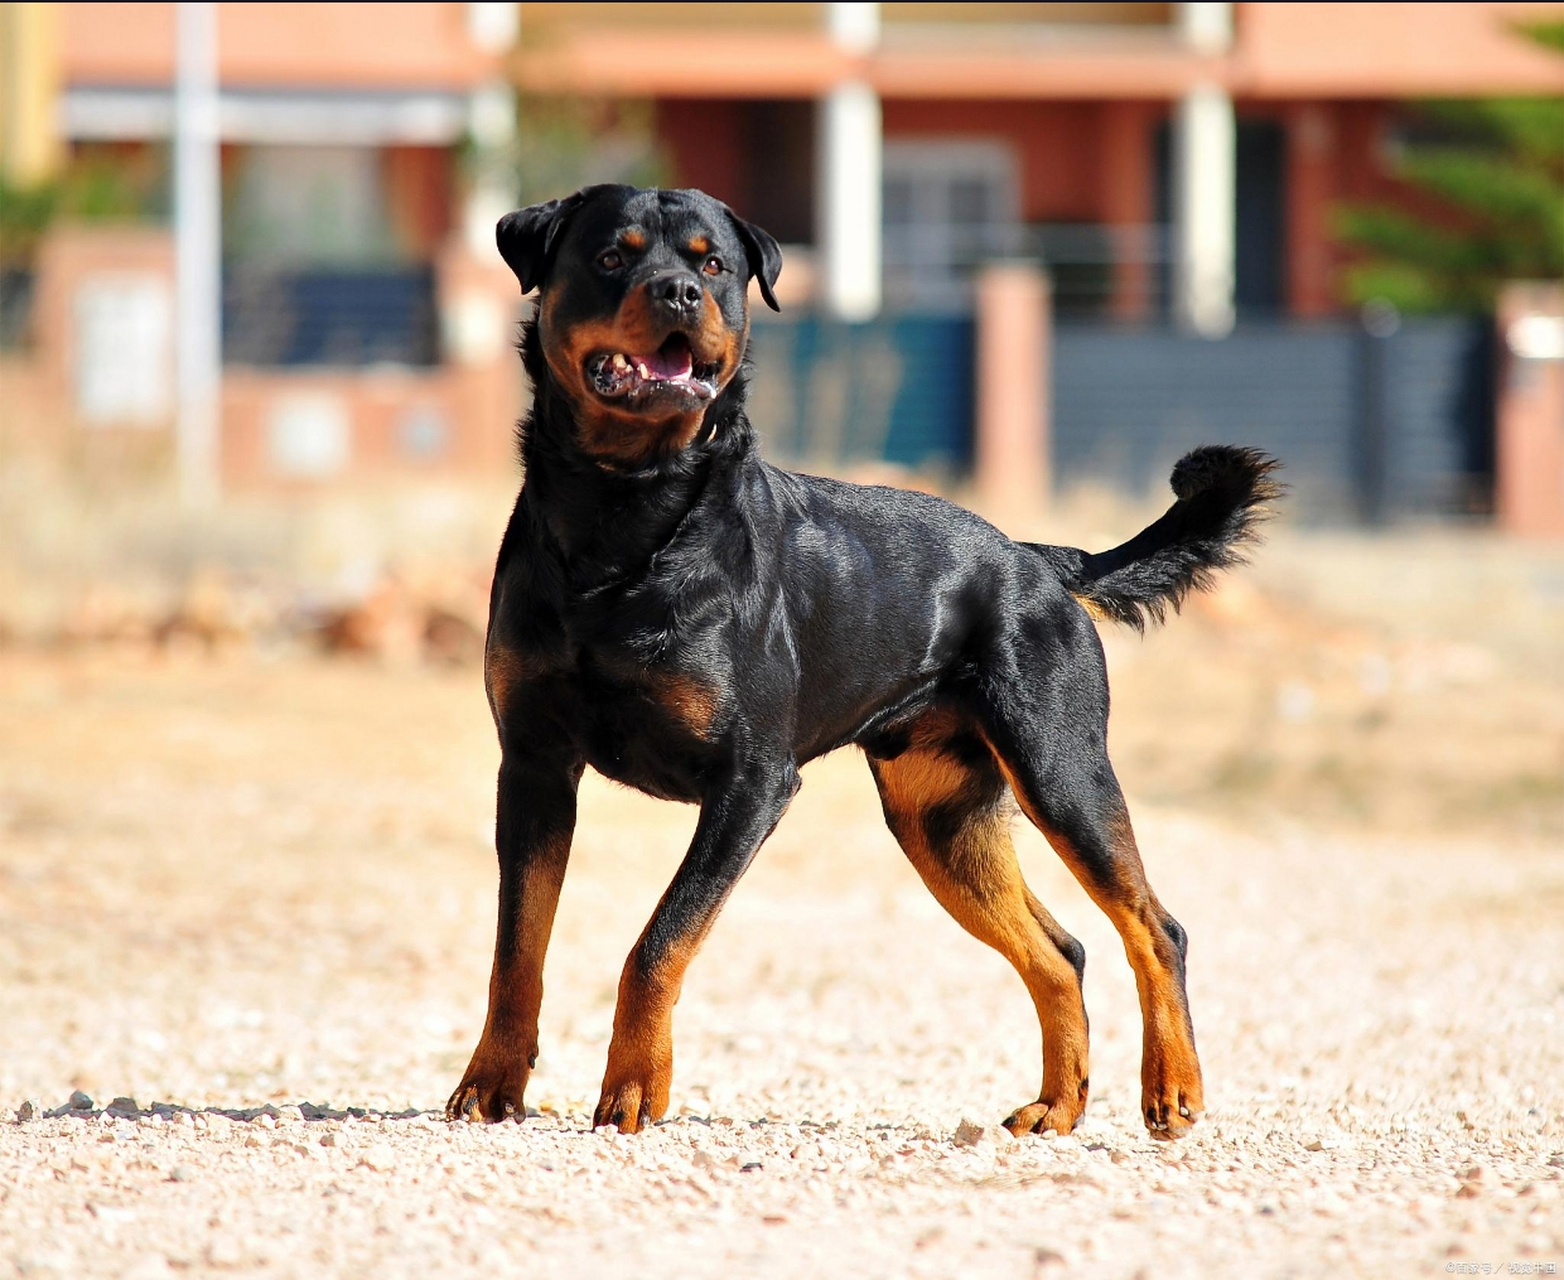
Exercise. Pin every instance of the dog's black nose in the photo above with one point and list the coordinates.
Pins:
(677, 292)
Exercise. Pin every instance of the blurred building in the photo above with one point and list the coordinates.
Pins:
(1052, 129)
(1173, 166)
(363, 329)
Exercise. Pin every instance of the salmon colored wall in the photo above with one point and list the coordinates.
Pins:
(1094, 162)
(421, 195)
(1056, 143)
(705, 141)
(334, 45)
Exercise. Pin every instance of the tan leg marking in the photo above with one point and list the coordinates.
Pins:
(495, 1082)
(1172, 1090)
(639, 1075)
(976, 878)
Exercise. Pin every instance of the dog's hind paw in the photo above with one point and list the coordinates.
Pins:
(1167, 1122)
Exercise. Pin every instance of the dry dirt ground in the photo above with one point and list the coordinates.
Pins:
(255, 895)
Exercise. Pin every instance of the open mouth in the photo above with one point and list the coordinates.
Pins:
(671, 369)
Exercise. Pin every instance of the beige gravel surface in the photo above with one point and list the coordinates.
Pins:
(254, 899)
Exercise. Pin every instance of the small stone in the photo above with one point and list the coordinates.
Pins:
(290, 1113)
(29, 1110)
(332, 1139)
(182, 1173)
(123, 1107)
(265, 1121)
(969, 1133)
(379, 1157)
(78, 1103)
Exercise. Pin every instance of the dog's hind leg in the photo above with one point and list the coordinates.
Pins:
(1049, 733)
(945, 801)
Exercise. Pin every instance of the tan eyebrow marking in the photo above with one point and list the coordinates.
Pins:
(700, 244)
(633, 239)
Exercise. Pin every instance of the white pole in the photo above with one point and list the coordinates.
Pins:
(1205, 182)
(848, 150)
(198, 254)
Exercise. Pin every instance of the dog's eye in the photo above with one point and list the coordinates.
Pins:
(610, 261)
(713, 266)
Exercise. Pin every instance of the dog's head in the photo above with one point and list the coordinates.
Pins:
(643, 315)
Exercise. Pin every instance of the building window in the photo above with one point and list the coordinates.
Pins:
(321, 265)
(949, 207)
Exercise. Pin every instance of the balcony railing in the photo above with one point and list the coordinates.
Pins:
(285, 317)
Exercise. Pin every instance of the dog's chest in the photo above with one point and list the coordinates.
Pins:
(650, 729)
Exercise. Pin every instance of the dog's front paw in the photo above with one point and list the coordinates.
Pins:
(1041, 1116)
(492, 1087)
(631, 1104)
(1172, 1098)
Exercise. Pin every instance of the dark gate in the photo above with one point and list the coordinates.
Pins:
(1369, 426)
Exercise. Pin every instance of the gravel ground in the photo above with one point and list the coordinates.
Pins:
(254, 901)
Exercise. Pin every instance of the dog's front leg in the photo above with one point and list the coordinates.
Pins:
(737, 816)
(534, 820)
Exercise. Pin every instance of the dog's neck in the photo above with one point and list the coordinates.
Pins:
(606, 519)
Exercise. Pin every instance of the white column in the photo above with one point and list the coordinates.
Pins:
(197, 254)
(491, 123)
(848, 177)
(1205, 190)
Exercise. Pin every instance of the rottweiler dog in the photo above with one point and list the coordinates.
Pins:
(693, 622)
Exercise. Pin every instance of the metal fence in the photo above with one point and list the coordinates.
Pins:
(1390, 419)
(1378, 421)
(315, 317)
(898, 390)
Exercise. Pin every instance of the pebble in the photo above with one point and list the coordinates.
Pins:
(379, 1157)
(969, 1133)
(30, 1110)
(182, 1173)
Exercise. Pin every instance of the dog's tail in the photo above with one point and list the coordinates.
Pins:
(1222, 491)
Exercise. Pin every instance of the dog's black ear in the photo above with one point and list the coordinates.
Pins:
(764, 255)
(526, 237)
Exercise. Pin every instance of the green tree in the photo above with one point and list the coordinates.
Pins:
(1497, 165)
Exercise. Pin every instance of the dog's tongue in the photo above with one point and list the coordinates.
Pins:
(671, 360)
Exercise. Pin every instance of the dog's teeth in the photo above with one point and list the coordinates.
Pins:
(620, 363)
